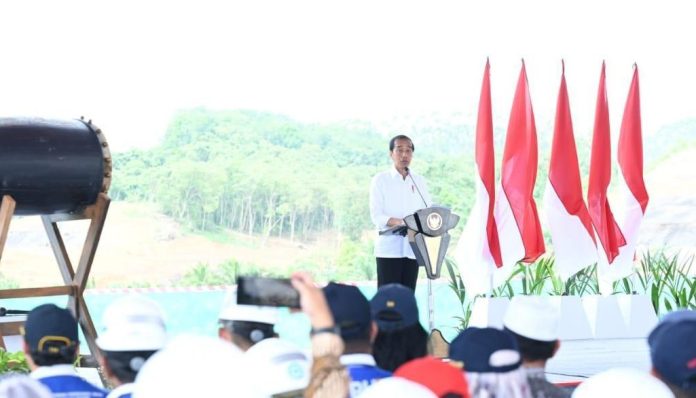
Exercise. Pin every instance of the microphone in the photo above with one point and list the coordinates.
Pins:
(408, 172)
(4, 311)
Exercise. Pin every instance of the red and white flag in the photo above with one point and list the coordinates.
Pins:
(478, 250)
(608, 232)
(631, 185)
(516, 214)
(569, 221)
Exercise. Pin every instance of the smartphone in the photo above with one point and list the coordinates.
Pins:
(272, 292)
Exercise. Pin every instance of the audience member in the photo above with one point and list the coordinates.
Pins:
(51, 347)
(279, 367)
(400, 337)
(134, 330)
(534, 323)
(673, 352)
(492, 363)
(622, 382)
(22, 386)
(194, 366)
(245, 325)
(328, 378)
(351, 312)
(443, 379)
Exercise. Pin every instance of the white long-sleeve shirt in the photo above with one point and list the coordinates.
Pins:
(393, 196)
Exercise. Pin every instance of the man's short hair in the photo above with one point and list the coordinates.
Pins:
(392, 142)
(534, 350)
(125, 364)
(252, 331)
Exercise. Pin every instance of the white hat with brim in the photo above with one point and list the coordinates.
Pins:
(622, 382)
(533, 317)
(194, 366)
(279, 366)
(133, 323)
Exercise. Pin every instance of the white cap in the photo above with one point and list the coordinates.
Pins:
(533, 317)
(622, 382)
(278, 365)
(397, 387)
(231, 311)
(133, 323)
(194, 366)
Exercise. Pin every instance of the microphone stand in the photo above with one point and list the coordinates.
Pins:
(431, 299)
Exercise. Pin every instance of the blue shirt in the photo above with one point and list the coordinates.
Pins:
(64, 382)
(363, 372)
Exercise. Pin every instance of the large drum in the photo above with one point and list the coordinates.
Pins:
(52, 166)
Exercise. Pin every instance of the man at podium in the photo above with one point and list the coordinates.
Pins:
(395, 194)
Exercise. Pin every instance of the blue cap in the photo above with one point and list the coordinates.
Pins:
(673, 349)
(485, 350)
(49, 328)
(350, 310)
(394, 307)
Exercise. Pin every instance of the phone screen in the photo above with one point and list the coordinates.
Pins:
(273, 292)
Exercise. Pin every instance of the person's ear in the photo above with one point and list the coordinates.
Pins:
(556, 347)
(225, 334)
(373, 331)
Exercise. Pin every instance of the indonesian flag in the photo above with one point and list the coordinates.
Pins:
(567, 216)
(610, 236)
(478, 250)
(515, 211)
(630, 181)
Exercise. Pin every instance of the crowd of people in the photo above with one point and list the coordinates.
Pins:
(359, 348)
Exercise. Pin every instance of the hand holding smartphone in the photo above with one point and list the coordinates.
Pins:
(273, 292)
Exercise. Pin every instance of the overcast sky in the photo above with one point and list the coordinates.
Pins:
(129, 65)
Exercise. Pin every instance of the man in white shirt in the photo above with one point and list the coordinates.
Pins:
(395, 194)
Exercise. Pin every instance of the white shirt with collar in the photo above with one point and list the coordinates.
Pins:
(393, 196)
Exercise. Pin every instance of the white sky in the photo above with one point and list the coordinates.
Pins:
(129, 65)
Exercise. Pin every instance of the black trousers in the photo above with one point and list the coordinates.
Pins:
(397, 270)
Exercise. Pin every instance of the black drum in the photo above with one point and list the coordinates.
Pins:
(52, 166)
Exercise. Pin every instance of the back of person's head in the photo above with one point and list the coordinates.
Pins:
(673, 352)
(492, 363)
(50, 335)
(351, 313)
(400, 337)
(22, 386)
(278, 366)
(134, 329)
(245, 325)
(535, 324)
(622, 382)
(194, 366)
(443, 379)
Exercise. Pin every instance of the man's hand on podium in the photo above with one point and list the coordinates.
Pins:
(393, 221)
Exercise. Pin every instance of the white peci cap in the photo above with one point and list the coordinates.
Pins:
(231, 311)
(133, 323)
(533, 317)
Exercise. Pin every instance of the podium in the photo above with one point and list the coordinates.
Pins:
(427, 231)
